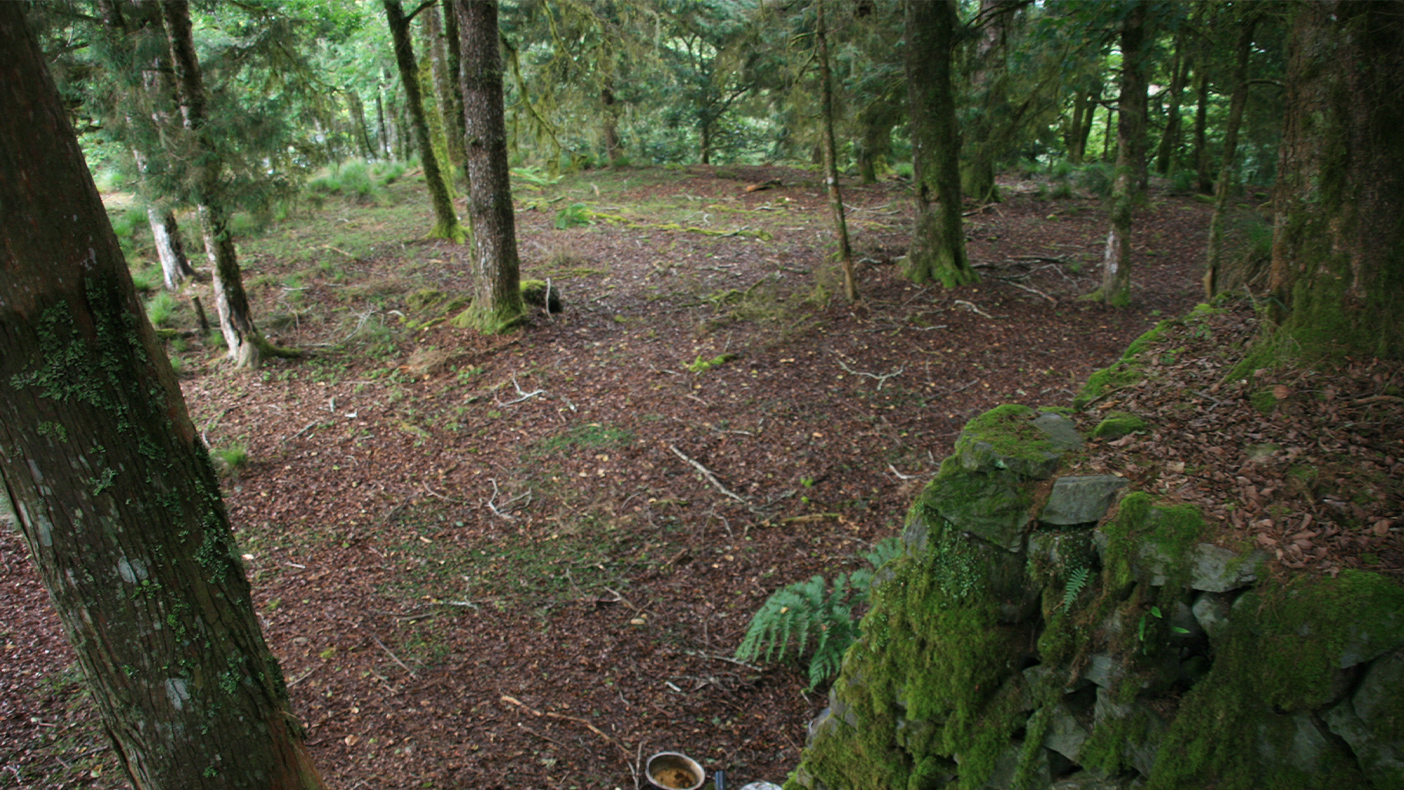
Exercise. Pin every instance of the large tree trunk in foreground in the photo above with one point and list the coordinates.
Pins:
(1338, 243)
(497, 299)
(826, 93)
(445, 219)
(937, 251)
(112, 489)
(246, 345)
(1130, 162)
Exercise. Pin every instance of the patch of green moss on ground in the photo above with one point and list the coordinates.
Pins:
(1118, 424)
(1125, 371)
(1282, 653)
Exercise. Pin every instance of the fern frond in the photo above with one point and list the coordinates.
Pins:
(1076, 581)
(884, 551)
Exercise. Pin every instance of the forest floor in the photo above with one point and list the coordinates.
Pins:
(497, 562)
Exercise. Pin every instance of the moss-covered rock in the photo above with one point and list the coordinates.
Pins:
(1017, 439)
(1118, 424)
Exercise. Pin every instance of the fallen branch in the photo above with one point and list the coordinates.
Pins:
(974, 308)
(900, 476)
(549, 715)
(707, 473)
(524, 395)
(1030, 289)
(396, 658)
(501, 512)
(881, 377)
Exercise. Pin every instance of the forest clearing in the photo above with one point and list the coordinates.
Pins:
(492, 562)
(843, 395)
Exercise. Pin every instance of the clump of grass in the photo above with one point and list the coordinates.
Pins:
(573, 216)
(161, 309)
(1096, 178)
(357, 180)
(229, 460)
(147, 279)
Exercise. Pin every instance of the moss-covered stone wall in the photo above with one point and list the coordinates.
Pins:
(1045, 630)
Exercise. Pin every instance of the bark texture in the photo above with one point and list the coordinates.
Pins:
(1338, 243)
(170, 248)
(1130, 161)
(112, 489)
(937, 251)
(497, 299)
(446, 224)
(450, 99)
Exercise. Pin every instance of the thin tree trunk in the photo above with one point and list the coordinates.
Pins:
(1107, 136)
(977, 178)
(112, 489)
(175, 267)
(383, 135)
(246, 344)
(455, 75)
(497, 299)
(358, 115)
(611, 124)
(450, 103)
(831, 176)
(446, 224)
(1130, 162)
(1093, 97)
(1201, 131)
(1073, 135)
(937, 250)
(1227, 166)
(1170, 140)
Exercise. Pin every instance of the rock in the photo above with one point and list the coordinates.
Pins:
(1118, 424)
(1103, 670)
(1065, 734)
(1211, 611)
(1372, 722)
(1080, 499)
(1017, 439)
(1216, 569)
(1183, 625)
(1144, 734)
(1297, 741)
(991, 506)
(1366, 643)
(1089, 780)
(1007, 764)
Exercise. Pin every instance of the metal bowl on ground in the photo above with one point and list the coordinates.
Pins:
(674, 771)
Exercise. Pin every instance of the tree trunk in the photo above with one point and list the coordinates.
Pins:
(1338, 244)
(450, 102)
(826, 94)
(977, 177)
(175, 267)
(1201, 131)
(246, 344)
(611, 124)
(383, 137)
(1170, 140)
(446, 224)
(705, 143)
(1107, 136)
(455, 75)
(358, 116)
(112, 489)
(937, 250)
(1224, 184)
(497, 299)
(1130, 162)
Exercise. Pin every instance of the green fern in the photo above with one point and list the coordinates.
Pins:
(1076, 581)
(811, 618)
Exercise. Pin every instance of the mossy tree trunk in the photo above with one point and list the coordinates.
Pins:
(497, 299)
(450, 100)
(984, 140)
(937, 250)
(1337, 274)
(1203, 182)
(446, 225)
(1229, 160)
(247, 345)
(831, 176)
(1130, 161)
(111, 486)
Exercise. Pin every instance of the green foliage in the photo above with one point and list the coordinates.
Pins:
(161, 308)
(702, 364)
(147, 278)
(357, 180)
(813, 618)
(573, 216)
(230, 459)
(1076, 581)
(1096, 178)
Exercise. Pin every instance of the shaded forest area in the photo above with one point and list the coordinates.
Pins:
(514, 558)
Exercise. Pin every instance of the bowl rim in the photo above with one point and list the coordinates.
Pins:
(691, 764)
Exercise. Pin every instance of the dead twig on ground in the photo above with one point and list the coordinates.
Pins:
(973, 308)
(551, 715)
(707, 473)
(393, 657)
(501, 511)
(881, 377)
(900, 476)
(520, 392)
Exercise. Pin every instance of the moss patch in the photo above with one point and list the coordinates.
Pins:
(1118, 424)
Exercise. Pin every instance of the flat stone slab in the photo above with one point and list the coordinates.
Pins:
(1080, 499)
